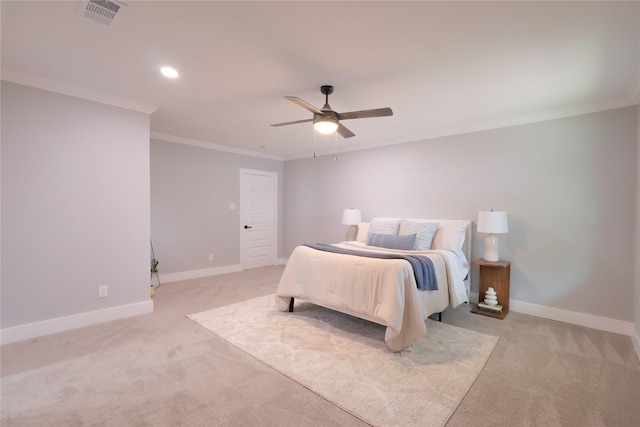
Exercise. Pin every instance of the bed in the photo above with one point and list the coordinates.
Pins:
(384, 291)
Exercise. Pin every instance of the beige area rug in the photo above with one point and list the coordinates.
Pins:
(345, 359)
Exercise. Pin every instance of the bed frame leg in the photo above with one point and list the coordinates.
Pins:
(291, 305)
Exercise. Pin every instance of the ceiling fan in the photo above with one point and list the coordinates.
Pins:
(326, 120)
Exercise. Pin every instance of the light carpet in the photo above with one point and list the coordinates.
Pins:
(345, 360)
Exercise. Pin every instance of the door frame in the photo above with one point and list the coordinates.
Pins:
(243, 214)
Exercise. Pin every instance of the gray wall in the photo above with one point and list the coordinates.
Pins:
(191, 188)
(636, 298)
(75, 205)
(568, 186)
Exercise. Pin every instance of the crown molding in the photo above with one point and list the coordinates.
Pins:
(489, 125)
(52, 85)
(212, 146)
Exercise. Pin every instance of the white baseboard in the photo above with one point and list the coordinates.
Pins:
(214, 271)
(636, 343)
(581, 319)
(67, 323)
(575, 318)
(567, 316)
(196, 274)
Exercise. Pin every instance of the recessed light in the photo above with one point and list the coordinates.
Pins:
(169, 72)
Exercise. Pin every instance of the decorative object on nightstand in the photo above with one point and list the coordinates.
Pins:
(351, 217)
(490, 297)
(492, 222)
(494, 283)
(490, 302)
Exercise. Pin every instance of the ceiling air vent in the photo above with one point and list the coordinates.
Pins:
(103, 11)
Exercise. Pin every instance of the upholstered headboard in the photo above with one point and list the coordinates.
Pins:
(466, 246)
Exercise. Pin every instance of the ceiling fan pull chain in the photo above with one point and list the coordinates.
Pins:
(335, 158)
(315, 134)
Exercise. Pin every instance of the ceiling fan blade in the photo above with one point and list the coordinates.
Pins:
(344, 132)
(362, 114)
(303, 104)
(295, 122)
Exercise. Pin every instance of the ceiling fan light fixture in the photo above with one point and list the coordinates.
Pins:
(326, 120)
(169, 72)
(325, 124)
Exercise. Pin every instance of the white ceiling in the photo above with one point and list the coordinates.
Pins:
(443, 67)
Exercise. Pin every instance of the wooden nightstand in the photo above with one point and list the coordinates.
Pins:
(495, 275)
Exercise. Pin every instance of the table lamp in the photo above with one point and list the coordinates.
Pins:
(352, 217)
(492, 222)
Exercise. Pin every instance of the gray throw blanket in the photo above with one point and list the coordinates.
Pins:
(423, 269)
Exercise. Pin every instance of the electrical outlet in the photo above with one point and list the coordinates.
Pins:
(210, 257)
(103, 291)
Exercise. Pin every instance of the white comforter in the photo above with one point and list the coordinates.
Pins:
(382, 291)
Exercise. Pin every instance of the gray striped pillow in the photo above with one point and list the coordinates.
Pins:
(425, 232)
(384, 227)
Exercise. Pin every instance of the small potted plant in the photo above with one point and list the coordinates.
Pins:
(154, 267)
(154, 270)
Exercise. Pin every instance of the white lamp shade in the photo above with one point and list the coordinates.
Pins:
(492, 222)
(351, 216)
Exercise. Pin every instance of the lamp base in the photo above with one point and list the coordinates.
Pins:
(491, 248)
(352, 232)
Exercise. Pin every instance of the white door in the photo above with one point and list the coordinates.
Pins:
(258, 218)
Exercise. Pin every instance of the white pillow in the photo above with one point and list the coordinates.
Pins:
(449, 238)
(363, 232)
(384, 227)
(425, 232)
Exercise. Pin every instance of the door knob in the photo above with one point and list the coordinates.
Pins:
(247, 226)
